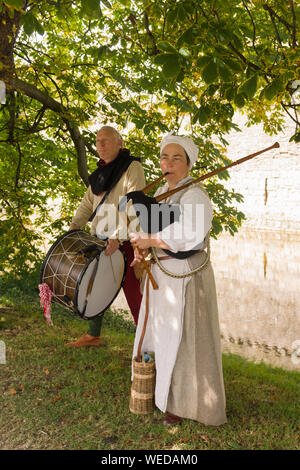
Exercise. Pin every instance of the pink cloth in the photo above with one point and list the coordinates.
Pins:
(46, 295)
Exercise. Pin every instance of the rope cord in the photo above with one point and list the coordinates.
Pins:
(195, 270)
(190, 273)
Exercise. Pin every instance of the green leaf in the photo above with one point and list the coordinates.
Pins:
(106, 3)
(102, 51)
(211, 90)
(188, 37)
(38, 27)
(230, 93)
(185, 105)
(224, 36)
(180, 76)
(31, 24)
(273, 89)
(27, 23)
(147, 130)
(224, 72)
(202, 115)
(233, 64)
(171, 68)
(210, 72)
(217, 227)
(181, 13)
(203, 60)
(239, 100)
(172, 16)
(228, 109)
(238, 42)
(139, 124)
(170, 63)
(184, 52)
(166, 47)
(249, 87)
(16, 4)
(295, 137)
(161, 59)
(91, 8)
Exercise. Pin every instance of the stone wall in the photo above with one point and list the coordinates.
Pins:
(270, 183)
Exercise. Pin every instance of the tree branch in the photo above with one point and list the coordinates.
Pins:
(18, 166)
(294, 23)
(295, 119)
(273, 13)
(242, 57)
(39, 116)
(32, 92)
(155, 51)
(91, 148)
(11, 105)
(253, 24)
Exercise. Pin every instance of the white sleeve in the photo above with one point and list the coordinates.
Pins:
(194, 222)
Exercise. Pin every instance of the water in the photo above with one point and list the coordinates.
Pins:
(258, 284)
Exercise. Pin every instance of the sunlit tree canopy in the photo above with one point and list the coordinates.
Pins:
(149, 67)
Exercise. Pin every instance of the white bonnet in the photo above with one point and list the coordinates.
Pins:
(186, 142)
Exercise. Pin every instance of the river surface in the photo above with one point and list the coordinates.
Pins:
(258, 285)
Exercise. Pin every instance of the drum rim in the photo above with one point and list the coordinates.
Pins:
(54, 246)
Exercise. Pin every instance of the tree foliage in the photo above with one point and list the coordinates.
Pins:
(151, 66)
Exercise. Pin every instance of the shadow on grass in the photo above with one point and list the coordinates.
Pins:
(55, 397)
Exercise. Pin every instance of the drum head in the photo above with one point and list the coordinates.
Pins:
(106, 286)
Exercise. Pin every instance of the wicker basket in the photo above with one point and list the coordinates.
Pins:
(143, 388)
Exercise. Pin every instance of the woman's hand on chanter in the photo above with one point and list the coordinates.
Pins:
(138, 256)
(143, 241)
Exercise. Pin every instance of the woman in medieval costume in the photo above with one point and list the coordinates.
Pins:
(183, 326)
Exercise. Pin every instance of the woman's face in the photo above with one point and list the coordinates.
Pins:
(173, 161)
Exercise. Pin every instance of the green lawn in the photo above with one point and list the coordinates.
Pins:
(55, 397)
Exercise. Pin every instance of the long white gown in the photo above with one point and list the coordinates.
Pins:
(182, 328)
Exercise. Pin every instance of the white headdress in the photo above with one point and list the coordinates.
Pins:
(186, 142)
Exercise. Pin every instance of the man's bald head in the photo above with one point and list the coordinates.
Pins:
(112, 130)
(108, 142)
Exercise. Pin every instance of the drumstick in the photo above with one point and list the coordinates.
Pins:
(112, 268)
(91, 283)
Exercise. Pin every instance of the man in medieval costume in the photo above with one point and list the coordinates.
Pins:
(117, 174)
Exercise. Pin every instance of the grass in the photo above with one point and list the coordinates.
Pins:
(54, 397)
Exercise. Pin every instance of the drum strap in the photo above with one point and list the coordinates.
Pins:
(100, 204)
(91, 283)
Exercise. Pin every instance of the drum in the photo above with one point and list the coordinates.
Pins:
(81, 277)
